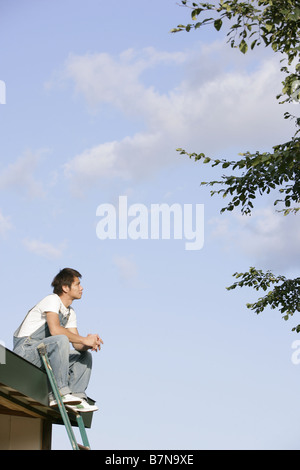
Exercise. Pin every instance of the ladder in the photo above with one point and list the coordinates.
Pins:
(63, 408)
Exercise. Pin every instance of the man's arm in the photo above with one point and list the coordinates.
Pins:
(80, 343)
(77, 346)
(82, 347)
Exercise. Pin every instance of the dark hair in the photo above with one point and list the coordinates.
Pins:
(65, 277)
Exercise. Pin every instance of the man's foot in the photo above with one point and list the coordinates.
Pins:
(67, 399)
(83, 407)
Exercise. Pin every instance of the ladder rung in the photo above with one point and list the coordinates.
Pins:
(81, 447)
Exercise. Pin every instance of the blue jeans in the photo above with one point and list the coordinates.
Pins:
(72, 369)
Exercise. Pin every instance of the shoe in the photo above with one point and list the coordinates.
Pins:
(83, 407)
(67, 399)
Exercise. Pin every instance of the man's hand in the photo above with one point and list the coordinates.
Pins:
(93, 342)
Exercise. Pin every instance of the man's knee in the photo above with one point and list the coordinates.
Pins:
(63, 341)
(58, 341)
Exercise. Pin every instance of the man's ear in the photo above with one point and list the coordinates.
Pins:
(65, 289)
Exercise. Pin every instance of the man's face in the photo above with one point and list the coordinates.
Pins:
(75, 291)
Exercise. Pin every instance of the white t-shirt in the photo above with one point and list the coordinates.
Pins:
(36, 317)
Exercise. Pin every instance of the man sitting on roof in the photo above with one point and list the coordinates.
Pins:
(53, 322)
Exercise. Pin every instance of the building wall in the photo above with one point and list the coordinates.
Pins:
(21, 433)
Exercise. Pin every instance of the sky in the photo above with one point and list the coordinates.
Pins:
(98, 97)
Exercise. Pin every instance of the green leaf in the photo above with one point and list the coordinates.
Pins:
(269, 27)
(243, 46)
(253, 44)
(196, 13)
(218, 24)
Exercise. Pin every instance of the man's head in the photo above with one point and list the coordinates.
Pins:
(64, 279)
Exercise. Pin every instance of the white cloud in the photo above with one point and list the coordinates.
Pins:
(127, 268)
(270, 239)
(214, 108)
(103, 78)
(5, 224)
(20, 174)
(43, 249)
(125, 160)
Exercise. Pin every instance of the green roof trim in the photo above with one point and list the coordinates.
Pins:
(24, 389)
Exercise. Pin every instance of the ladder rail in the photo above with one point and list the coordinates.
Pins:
(62, 408)
(82, 429)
